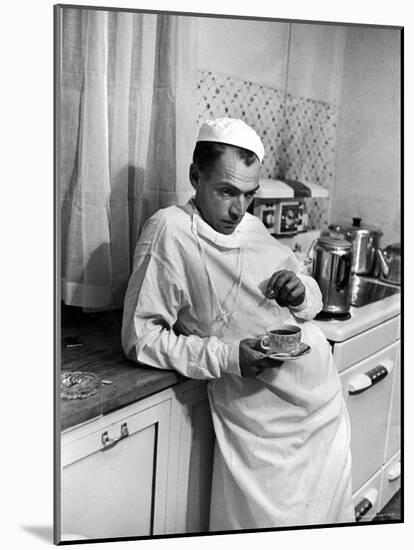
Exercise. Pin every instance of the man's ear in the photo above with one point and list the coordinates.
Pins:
(194, 176)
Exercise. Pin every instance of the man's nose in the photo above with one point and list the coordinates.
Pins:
(238, 207)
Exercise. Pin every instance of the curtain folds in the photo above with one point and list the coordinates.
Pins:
(127, 125)
(173, 124)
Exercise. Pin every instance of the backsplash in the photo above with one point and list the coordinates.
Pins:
(298, 133)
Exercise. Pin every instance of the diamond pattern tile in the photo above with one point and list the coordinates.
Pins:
(298, 133)
(259, 106)
(309, 140)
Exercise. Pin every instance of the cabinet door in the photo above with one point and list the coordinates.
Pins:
(368, 412)
(113, 488)
(394, 427)
(191, 463)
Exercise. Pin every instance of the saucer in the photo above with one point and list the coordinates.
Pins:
(300, 351)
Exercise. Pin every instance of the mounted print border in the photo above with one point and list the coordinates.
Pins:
(134, 445)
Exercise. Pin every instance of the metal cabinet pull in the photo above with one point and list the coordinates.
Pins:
(364, 380)
(109, 443)
(394, 472)
(366, 504)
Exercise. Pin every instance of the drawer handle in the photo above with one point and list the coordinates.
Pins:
(367, 502)
(108, 443)
(364, 380)
(394, 472)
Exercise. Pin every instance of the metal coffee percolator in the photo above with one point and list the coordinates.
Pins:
(331, 267)
(365, 241)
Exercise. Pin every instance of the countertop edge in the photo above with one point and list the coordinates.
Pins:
(362, 319)
(137, 393)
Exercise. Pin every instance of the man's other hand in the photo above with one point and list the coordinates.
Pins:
(286, 288)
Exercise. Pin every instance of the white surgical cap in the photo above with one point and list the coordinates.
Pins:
(232, 131)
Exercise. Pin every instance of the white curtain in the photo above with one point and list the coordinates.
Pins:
(127, 127)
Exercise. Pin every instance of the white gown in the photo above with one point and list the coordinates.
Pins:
(282, 454)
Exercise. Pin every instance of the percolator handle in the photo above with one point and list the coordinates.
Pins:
(341, 282)
(310, 249)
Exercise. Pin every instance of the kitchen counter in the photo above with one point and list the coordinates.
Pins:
(362, 318)
(102, 355)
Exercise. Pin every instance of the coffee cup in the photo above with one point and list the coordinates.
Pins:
(283, 339)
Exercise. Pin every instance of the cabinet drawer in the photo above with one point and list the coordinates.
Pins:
(366, 500)
(391, 480)
(75, 448)
(365, 344)
(369, 412)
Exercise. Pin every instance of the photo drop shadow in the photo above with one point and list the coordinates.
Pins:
(43, 532)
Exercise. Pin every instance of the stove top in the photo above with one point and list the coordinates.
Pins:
(373, 310)
(365, 291)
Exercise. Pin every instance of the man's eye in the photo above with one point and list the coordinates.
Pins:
(250, 195)
(227, 192)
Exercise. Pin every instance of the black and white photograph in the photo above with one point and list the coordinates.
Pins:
(229, 274)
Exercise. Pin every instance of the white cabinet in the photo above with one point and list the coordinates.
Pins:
(368, 407)
(369, 367)
(113, 481)
(366, 343)
(143, 470)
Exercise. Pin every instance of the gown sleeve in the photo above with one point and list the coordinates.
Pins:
(152, 303)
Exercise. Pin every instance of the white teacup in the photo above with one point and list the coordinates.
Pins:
(282, 339)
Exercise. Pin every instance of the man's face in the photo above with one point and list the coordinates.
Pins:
(224, 193)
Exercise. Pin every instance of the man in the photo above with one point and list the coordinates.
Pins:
(208, 281)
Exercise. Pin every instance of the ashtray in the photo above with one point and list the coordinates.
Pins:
(78, 385)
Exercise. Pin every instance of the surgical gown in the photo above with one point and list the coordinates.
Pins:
(282, 455)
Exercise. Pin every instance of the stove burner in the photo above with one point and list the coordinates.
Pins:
(330, 316)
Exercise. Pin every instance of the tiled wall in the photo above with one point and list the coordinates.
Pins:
(298, 133)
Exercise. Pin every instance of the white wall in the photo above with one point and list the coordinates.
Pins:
(259, 50)
(247, 49)
(367, 182)
(315, 61)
